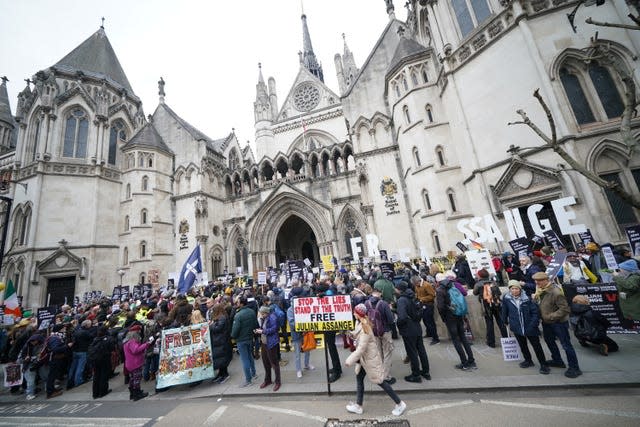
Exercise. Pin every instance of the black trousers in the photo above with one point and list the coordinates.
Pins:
(383, 385)
(414, 347)
(330, 342)
(455, 327)
(489, 315)
(101, 374)
(537, 348)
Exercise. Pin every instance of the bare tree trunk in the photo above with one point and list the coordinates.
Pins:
(552, 142)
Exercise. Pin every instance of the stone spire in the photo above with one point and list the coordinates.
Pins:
(262, 106)
(308, 58)
(390, 9)
(161, 93)
(7, 124)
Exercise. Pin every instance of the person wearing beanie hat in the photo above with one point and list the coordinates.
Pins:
(522, 316)
(134, 351)
(408, 321)
(627, 281)
(368, 361)
(269, 342)
(489, 296)
(554, 312)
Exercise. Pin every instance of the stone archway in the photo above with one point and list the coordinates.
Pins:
(265, 226)
(296, 241)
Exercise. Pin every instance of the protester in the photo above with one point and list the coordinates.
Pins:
(627, 281)
(58, 351)
(220, 333)
(463, 272)
(297, 337)
(426, 294)
(102, 346)
(82, 337)
(523, 317)
(375, 302)
(455, 325)
(575, 271)
(268, 331)
(31, 367)
(489, 296)
(589, 326)
(554, 312)
(409, 329)
(244, 325)
(134, 350)
(367, 360)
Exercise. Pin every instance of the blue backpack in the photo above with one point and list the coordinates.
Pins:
(458, 304)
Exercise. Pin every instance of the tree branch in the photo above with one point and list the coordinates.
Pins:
(633, 200)
(608, 24)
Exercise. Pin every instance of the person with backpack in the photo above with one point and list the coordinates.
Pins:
(409, 314)
(29, 358)
(627, 281)
(382, 320)
(99, 353)
(589, 326)
(523, 317)
(489, 296)
(452, 308)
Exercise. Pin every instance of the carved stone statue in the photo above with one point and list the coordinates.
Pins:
(201, 206)
(161, 87)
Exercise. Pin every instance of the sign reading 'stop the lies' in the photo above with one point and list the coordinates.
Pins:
(484, 228)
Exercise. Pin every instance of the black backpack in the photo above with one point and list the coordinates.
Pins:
(98, 349)
(414, 310)
(586, 330)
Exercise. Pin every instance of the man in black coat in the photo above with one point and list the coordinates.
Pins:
(411, 333)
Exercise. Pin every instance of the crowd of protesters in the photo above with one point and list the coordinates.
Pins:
(91, 341)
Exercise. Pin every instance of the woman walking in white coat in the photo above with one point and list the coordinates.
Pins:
(368, 361)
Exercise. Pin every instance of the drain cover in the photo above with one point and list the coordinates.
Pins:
(334, 422)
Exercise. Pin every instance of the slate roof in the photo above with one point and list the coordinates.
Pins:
(96, 58)
(406, 49)
(217, 145)
(148, 137)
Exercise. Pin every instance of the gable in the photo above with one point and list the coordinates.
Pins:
(524, 183)
(61, 261)
(307, 94)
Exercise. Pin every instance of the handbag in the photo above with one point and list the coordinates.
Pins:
(308, 341)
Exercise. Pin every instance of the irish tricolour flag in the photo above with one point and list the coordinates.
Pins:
(11, 305)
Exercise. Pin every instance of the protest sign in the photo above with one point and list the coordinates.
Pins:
(462, 247)
(383, 255)
(478, 260)
(520, 246)
(295, 269)
(586, 237)
(633, 234)
(45, 316)
(115, 296)
(554, 266)
(610, 259)
(553, 239)
(185, 355)
(137, 292)
(12, 375)
(604, 299)
(327, 263)
(124, 292)
(510, 349)
(330, 313)
(262, 277)
(386, 268)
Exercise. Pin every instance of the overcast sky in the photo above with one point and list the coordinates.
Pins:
(206, 51)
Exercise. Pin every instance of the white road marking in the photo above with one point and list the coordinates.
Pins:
(566, 409)
(211, 420)
(72, 421)
(429, 408)
(288, 412)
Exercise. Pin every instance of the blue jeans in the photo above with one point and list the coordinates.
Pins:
(297, 346)
(246, 357)
(76, 370)
(551, 331)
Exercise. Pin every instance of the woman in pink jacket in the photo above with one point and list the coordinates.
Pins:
(134, 352)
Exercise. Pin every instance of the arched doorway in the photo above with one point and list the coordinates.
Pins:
(296, 241)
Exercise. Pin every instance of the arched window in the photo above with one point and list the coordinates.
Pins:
(150, 161)
(440, 156)
(427, 200)
(452, 201)
(216, 264)
(396, 88)
(36, 138)
(425, 76)
(435, 239)
(404, 83)
(143, 216)
(416, 157)
(145, 183)
(116, 134)
(142, 278)
(606, 90)
(75, 135)
(414, 79)
(24, 227)
(143, 249)
(429, 111)
(577, 98)
(127, 225)
(140, 160)
(234, 160)
(125, 256)
(128, 192)
(470, 14)
(407, 117)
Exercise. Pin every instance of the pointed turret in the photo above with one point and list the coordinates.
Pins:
(346, 67)
(7, 123)
(95, 57)
(308, 58)
(262, 107)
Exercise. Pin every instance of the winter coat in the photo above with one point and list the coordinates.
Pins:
(385, 287)
(522, 319)
(220, 330)
(244, 322)
(407, 327)
(30, 351)
(367, 354)
(134, 354)
(478, 290)
(553, 305)
(595, 319)
(82, 337)
(463, 272)
(529, 285)
(630, 285)
(426, 293)
(385, 309)
(269, 326)
(295, 336)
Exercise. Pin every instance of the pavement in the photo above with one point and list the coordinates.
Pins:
(619, 369)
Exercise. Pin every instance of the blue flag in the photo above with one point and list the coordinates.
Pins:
(192, 266)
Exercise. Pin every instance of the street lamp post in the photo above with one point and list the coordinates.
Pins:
(121, 273)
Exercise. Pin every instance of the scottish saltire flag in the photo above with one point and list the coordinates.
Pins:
(192, 266)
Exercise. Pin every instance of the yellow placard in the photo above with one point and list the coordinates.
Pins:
(327, 264)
